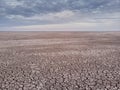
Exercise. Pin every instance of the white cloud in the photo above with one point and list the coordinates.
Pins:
(58, 27)
(63, 14)
(50, 16)
(74, 26)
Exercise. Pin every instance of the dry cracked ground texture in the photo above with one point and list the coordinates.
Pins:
(59, 60)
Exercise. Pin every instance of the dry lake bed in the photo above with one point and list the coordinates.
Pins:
(59, 60)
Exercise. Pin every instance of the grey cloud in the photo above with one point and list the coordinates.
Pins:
(30, 8)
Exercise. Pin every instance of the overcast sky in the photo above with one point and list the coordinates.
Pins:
(45, 15)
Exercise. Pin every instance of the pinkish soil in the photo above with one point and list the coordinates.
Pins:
(59, 60)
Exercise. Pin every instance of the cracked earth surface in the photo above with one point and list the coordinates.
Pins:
(59, 60)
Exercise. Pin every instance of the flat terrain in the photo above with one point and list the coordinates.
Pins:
(59, 60)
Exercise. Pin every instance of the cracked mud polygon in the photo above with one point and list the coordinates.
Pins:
(59, 60)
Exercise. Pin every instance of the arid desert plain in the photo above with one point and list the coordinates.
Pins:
(59, 60)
